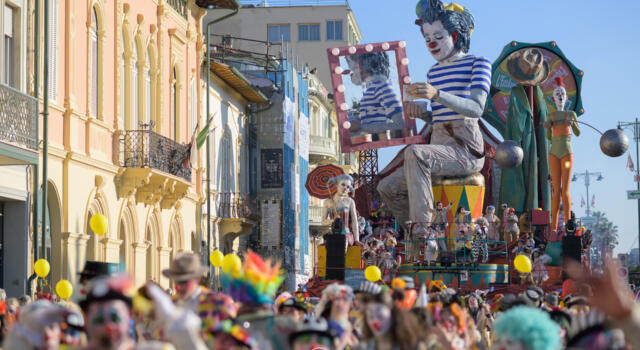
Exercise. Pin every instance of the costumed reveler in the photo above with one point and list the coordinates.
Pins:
(457, 86)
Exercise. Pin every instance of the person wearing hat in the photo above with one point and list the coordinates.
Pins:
(522, 186)
(293, 307)
(457, 86)
(37, 328)
(314, 334)
(186, 272)
(93, 269)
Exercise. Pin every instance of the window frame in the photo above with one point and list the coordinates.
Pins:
(308, 27)
(280, 37)
(332, 24)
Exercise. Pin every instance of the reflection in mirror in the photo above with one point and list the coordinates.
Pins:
(373, 95)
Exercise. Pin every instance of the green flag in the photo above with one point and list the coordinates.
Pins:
(202, 135)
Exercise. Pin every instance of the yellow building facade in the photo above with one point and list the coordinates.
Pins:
(125, 96)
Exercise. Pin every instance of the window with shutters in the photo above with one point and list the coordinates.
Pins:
(226, 164)
(53, 51)
(93, 36)
(193, 93)
(10, 60)
(147, 92)
(334, 30)
(136, 89)
(174, 103)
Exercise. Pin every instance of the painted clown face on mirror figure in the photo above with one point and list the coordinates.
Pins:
(560, 97)
(440, 43)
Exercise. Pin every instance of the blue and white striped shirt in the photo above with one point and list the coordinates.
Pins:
(458, 78)
(379, 103)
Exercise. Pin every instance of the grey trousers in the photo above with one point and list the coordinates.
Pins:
(409, 187)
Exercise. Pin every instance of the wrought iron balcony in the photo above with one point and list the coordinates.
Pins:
(153, 168)
(180, 6)
(234, 205)
(18, 118)
(147, 149)
(316, 215)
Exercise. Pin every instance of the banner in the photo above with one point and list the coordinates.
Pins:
(271, 166)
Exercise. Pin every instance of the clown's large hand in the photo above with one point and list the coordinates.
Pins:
(423, 90)
(610, 293)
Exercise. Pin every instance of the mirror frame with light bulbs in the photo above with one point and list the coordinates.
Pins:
(409, 134)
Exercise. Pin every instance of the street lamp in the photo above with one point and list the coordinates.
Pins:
(587, 181)
(635, 126)
(212, 4)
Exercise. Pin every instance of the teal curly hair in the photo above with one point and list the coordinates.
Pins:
(531, 327)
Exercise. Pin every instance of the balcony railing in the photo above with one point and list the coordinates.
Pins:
(322, 146)
(146, 149)
(180, 6)
(233, 205)
(18, 118)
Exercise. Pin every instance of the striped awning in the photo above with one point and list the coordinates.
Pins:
(239, 82)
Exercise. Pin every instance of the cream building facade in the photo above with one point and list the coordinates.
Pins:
(125, 98)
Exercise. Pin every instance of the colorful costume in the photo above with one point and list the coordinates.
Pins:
(479, 247)
(511, 228)
(493, 222)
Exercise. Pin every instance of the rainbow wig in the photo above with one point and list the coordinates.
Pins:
(533, 328)
(255, 283)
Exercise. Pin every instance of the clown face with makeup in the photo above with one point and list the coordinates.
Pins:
(457, 87)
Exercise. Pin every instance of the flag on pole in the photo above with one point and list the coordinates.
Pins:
(630, 163)
(593, 201)
(189, 157)
(582, 203)
(204, 133)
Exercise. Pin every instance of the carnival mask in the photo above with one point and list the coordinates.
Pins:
(108, 323)
(378, 317)
(560, 98)
(440, 42)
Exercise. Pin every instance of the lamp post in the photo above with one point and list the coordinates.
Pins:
(587, 181)
(635, 126)
(209, 5)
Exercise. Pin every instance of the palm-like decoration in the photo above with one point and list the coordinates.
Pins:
(605, 235)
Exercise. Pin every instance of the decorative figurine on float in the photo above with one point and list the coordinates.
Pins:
(493, 223)
(344, 209)
(440, 223)
(457, 86)
(559, 128)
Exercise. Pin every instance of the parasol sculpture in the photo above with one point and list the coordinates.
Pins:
(318, 184)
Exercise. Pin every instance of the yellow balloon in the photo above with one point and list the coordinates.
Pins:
(42, 268)
(231, 264)
(372, 273)
(64, 289)
(99, 224)
(216, 258)
(522, 263)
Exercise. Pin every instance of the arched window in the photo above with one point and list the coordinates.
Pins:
(174, 103)
(94, 47)
(122, 261)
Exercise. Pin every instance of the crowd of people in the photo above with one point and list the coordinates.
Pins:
(248, 309)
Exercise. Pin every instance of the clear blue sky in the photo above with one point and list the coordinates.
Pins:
(600, 37)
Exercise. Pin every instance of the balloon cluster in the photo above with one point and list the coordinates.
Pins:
(64, 288)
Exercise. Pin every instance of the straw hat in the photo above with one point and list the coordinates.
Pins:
(185, 267)
(528, 67)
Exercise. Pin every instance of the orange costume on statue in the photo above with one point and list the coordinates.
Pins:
(559, 128)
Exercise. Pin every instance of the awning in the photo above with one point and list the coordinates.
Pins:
(239, 82)
(218, 4)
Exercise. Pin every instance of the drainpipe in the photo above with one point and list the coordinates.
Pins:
(208, 71)
(45, 123)
(36, 93)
